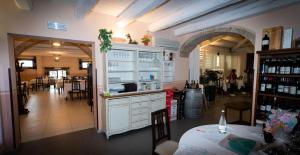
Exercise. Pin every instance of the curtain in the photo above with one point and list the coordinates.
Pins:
(194, 67)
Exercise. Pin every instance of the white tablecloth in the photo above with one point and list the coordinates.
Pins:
(68, 87)
(204, 140)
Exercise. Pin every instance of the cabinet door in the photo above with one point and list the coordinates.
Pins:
(118, 117)
(158, 104)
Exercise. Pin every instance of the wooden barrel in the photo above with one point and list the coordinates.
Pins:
(193, 103)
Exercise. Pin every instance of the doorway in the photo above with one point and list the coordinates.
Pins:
(46, 72)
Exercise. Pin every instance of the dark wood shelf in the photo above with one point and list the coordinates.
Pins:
(280, 96)
(281, 75)
(280, 51)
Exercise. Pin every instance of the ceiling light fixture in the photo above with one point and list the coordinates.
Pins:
(56, 44)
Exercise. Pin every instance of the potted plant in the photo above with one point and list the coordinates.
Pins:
(105, 40)
(210, 79)
(146, 39)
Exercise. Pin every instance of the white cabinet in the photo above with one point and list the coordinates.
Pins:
(131, 112)
(118, 117)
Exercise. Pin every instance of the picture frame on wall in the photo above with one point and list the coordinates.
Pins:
(287, 38)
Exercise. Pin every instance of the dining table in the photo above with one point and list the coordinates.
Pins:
(68, 87)
(207, 140)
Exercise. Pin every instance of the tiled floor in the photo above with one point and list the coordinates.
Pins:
(50, 114)
(138, 142)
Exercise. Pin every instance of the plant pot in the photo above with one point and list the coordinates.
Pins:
(210, 93)
(146, 43)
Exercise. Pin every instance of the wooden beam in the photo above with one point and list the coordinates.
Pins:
(26, 45)
(137, 9)
(235, 12)
(211, 41)
(196, 9)
(87, 50)
(239, 44)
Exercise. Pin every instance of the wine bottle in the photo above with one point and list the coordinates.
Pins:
(269, 85)
(278, 64)
(280, 87)
(282, 66)
(263, 65)
(286, 87)
(269, 106)
(263, 84)
(298, 89)
(267, 66)
(293, 88)
(265, 42)
(197, 85)
(187, 85)
(263, 106)
(287, 69)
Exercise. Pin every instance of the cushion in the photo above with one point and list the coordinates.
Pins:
(166, 148)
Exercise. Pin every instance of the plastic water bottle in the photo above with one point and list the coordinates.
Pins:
(222, 123)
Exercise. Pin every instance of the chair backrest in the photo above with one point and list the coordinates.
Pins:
(39, 80)
(160, 127)
(51, 80)
(75, 85)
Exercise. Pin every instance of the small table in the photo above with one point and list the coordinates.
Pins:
(204, 140)
(241, 107)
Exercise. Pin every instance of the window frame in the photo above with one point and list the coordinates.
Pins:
(34, 66)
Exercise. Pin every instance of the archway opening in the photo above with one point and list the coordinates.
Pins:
(222, 52)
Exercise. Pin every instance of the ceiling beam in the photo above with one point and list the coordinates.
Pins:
(24, 4)
(235, 12)
(196, 9)
(84, 48)
(26, 45)
(83, 7)
(137, 9)
(211, 41)
(239, 44)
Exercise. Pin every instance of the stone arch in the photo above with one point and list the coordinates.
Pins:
(206, 34)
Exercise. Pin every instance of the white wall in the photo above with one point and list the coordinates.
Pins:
(34, 23)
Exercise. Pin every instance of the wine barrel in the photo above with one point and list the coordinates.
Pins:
(193, 103)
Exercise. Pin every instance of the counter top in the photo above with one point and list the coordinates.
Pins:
(131, 94)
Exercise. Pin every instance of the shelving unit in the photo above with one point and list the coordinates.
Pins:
(133, 64)
(169, 66)
(282, 100)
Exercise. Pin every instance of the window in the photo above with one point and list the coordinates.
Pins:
(29, 63)
(83, 64)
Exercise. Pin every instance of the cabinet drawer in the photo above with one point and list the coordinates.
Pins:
(157, 96)
(140, 124)
(139, 105)
(140, 117)
(139, 111)
(157, 105)
(119, 101)
(140, 98)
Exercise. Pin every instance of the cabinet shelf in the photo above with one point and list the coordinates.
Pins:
(280, 96)
(116, 82)
(116, 71)
(281, 75)
(149, 70)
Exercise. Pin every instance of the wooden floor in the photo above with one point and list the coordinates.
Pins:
(50, 115)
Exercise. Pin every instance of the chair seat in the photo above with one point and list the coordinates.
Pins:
(166, 148)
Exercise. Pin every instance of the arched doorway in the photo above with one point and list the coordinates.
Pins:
(236, 52)
(79, 53)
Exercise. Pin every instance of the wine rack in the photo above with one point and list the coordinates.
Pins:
(278, 83)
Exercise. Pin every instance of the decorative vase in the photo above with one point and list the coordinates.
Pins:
(146, 43)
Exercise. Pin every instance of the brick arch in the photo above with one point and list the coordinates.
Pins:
(206, 34)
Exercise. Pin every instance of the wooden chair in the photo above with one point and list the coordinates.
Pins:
(161, 136)
(39, 83)
(75, 89)
(85, 91)
(51, 81)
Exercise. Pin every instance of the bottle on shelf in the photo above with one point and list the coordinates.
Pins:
(265, 42)
(187, 85)
(222, 123)
(298, 89)
(286, 87)
(280, 86)
(293, 88)
(193, 84)
(269, 85)
(282, 66)
(262, 107)
(263, 84)
(197, 85)
(278, 65)
(262, 67)
(287, 69)
(267, 64)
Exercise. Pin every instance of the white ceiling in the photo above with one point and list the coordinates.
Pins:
(112, 7)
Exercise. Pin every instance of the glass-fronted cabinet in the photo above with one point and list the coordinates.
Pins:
(149, 70)
(121, 69)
